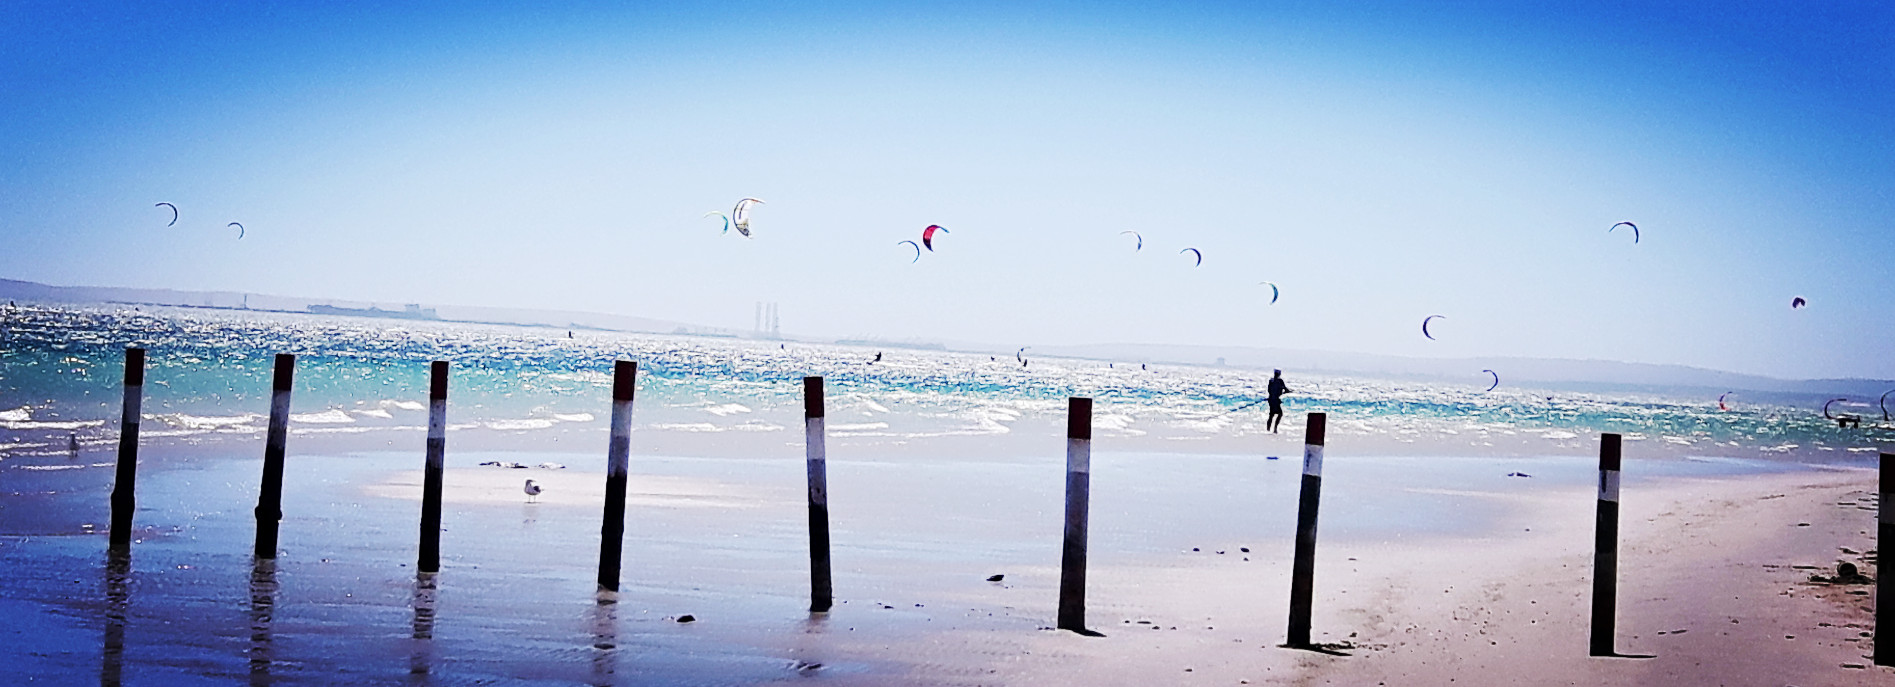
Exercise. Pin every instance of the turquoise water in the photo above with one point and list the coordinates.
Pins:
(208, 381)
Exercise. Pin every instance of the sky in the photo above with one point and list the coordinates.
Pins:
(1379, 162)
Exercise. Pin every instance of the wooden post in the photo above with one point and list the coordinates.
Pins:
(1072, 562)
(124, 501)
(436, 460)
(821, 592)
(270, 502)
(618, 458)
(1884, 536)
(1605, 549)
(1303, 567)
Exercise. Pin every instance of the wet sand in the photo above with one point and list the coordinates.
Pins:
(1430, 571)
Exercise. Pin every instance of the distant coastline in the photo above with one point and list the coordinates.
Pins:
(409, 312)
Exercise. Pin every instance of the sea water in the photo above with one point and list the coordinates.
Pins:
(208, 379)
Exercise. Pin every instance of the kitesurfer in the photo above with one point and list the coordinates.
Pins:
(1277, 390)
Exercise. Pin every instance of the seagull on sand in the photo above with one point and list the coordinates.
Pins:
(532, 492)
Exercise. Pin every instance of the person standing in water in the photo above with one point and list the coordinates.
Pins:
(1277, 390)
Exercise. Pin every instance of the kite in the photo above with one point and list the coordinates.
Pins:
(1021, 354)
(1720, 401)
(1141, 239)
(740, 215)
(1629, 224)
(1884, 404)
(1797, 302)
(1826, 407)
(927, 235)
(917, 250)
(1196, 252)
(174, 211)
(1496, 379)
(238, 225)
(1424, 326)
(725, 217)
(1273, 290)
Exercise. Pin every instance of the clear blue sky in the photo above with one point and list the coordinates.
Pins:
(1380, 161)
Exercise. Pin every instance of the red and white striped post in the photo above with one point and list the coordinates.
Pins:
(618, 459)
(1885, 536)
(124, 500)
(1605, 552)
(821, 591)
(1303, 567)
(1072, 562)
(436, 463)
(270, 501)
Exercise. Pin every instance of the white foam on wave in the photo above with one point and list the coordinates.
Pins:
(20, 414)
(57, 467)
(687, 427)
(1557, 435)
(403, 405)
(375, 413)
(522, 424)
(76, 424)
(332, 416)
(1116, 423)
(337, 430)
(858, 426)
(573, 417)
(727, 409)
(183, 421)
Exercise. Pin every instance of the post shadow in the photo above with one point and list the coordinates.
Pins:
(118, 572)
(263, 588)
(605, 639)
(421, 654)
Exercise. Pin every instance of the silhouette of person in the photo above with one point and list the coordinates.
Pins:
(1277, 390)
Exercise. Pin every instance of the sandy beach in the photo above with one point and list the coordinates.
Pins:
(1714, 585)
(1430, 570)
(1715, 588)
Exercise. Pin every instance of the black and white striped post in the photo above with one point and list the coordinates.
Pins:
(1072, 560)
(124, 502)
(1303, 567)
(821, 591)
(618, 462)
(436, 461)
(1605, 549)
(270, 502)
(1885, 536)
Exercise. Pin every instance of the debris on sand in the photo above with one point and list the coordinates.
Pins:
(1846, 573)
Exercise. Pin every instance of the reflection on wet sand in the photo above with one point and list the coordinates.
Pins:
(807, 656)
(421, 655)
(118, 571)
(263, 587)
(605, 638)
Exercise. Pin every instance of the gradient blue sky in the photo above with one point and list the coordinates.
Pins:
(1380, 161)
